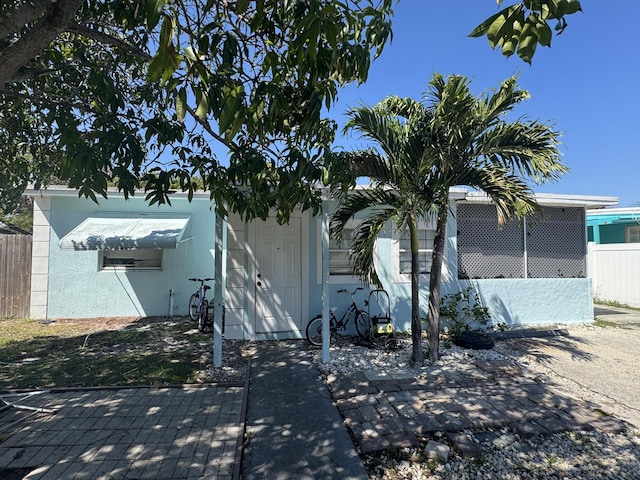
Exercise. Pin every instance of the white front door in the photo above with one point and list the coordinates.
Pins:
(277, 278)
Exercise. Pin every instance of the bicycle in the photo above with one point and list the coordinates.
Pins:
(198, 302)
(352, 314)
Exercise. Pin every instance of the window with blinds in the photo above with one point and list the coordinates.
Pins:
(425, 252)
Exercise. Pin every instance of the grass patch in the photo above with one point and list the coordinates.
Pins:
(600, 412)
(612, 303)
(147, 351)
(598, 322)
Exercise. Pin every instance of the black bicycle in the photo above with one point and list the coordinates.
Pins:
(337, 327)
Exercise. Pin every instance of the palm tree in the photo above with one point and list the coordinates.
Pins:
(451, 138)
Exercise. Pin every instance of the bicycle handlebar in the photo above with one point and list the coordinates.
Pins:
(344, 290)
(201, 279)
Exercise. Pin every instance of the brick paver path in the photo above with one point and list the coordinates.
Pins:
(159, 433)
(399, 409)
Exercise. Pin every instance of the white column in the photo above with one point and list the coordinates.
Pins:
(219, 288)
(40, 257)
(525, 254)
(325, 282)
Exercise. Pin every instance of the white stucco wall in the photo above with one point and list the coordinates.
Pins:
(78, 288)
(515, 302)
(536, 301)
(72, 285)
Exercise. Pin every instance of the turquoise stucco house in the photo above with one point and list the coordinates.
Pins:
(614, 225)
(125, 258)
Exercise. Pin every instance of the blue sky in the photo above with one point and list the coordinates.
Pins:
(587, 84)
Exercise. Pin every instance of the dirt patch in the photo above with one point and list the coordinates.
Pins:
(102, 323)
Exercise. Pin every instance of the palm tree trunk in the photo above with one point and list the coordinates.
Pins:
(416, 328)
(433, 329)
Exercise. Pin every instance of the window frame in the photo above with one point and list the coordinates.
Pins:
(143, 259)
(343, 250)
(336, 278)
(404, 277)
(632, 234)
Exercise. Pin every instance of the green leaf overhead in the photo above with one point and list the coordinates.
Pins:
(181, 80)
(522, 26)
(154, 11)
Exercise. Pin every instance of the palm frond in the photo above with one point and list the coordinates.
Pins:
(528, 148)
(346, 167)
(363, 246)
(509, 193)
(503, 100)
(371, 201)
(384, 130)
(405, 108)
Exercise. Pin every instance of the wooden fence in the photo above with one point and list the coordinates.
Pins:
(15, 275)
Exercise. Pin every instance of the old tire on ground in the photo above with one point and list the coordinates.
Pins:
(475, 341)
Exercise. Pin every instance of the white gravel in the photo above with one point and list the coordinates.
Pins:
(571, 455)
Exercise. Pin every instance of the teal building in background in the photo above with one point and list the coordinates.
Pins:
(614, 225)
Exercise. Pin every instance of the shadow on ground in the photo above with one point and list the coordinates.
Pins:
(536, 347)
(82, 353)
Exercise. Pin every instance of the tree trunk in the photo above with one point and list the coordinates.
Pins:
(416, 328)
(433, 330)
(32, 43)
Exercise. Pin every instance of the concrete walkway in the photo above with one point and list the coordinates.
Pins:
(293, 428)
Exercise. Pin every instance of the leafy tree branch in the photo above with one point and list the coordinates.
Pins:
(136, 94)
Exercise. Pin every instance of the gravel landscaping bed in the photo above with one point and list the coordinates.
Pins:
(574, 455)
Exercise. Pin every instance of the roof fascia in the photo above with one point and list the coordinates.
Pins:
(553, 199)
(61, 191)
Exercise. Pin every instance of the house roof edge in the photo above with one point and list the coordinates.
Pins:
(62, 191)
(555, 199)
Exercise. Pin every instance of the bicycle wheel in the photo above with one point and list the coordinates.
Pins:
(193, 306)
(363, 324)
(314, 331)
(203, 316)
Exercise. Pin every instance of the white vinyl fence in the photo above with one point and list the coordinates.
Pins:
(615, 272)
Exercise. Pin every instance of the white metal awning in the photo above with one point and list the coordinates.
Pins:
(127, 231)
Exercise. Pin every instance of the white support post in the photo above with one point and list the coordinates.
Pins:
(524, 245)
(325, 282)
(220, 288)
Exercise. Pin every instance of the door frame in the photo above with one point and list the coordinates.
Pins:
(250, 287)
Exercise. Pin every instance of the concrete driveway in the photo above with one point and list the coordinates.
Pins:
(599, 363)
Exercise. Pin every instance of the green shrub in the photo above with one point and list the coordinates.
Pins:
(463, 311)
